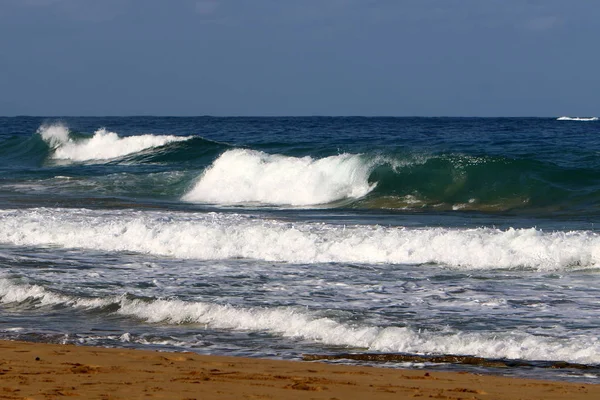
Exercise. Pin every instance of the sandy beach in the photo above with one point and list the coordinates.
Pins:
(50, 371)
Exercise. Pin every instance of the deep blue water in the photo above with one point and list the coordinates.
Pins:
(277, 237)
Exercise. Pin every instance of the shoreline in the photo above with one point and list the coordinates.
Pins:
(47, 371)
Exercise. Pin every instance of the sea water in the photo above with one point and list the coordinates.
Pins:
(286, 237)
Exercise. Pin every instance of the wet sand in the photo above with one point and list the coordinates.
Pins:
(48, 371)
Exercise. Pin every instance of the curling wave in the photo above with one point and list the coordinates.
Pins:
(216, 236)
(300, 323)
(398, 181)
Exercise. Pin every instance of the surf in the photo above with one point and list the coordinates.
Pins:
(298, 322)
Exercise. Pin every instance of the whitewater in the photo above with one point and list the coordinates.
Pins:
(216, 236)
(285, 237)
(297, 323)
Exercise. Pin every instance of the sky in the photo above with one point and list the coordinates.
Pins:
(300, 57)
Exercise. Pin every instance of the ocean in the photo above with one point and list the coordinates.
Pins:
(466, 244)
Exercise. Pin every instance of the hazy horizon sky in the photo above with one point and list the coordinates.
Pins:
(300, 57)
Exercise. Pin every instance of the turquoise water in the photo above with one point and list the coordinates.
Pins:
(278, 237)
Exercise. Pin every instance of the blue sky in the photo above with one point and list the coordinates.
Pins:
(300, 57)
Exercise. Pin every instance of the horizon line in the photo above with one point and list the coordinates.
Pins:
(275, 116)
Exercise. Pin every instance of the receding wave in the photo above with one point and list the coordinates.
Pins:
(103, 145)
(565, 118)
(302, 323)
(215, 236)
(247, 176)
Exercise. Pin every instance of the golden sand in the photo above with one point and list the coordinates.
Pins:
(49, 371)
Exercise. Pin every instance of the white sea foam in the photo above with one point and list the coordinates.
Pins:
(249, 176)
(577, 119)
(104, 145)
(54, 135)
(300, 323)
(222, 236)
(129, 338)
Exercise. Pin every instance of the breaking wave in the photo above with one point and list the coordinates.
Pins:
(247, 176)
(402, 182)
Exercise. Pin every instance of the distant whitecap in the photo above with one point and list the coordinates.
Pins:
(577, 119)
